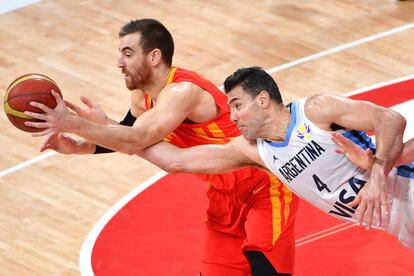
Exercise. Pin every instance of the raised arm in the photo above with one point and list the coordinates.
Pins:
(174, 104)
(203, 159)
(388, 127)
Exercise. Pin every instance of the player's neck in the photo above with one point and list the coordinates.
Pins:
(158, 82)
(277, 124)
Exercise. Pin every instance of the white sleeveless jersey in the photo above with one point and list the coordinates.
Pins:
(308, 164)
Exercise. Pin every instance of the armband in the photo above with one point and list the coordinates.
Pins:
(129, 120)
(100, 149)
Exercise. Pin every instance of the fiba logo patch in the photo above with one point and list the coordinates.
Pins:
(304, 132)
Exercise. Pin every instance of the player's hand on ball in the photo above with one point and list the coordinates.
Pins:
(54, 120)
(92, 112)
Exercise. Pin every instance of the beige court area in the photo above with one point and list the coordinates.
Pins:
(48, 208)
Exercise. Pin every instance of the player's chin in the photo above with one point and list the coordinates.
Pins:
(130, 85)
(247, 135)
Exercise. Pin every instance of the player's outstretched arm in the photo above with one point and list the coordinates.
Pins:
(202, 159)
(175, 103)
(64, 144)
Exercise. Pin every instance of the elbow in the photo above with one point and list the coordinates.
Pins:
(398, 121)
(402, 121)
(391, 119)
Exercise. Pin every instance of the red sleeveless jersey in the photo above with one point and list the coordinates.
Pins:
(220, 130)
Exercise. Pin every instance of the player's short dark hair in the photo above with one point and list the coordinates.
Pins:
(253, 80)
(153, 36)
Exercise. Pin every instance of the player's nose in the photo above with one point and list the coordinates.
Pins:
(233, 116)
(120, 63)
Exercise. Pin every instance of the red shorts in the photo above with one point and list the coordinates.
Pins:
(256, 214)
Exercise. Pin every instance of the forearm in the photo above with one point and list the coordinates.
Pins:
(389, 139)
(128, 120)
(210, 159)
(116, 137)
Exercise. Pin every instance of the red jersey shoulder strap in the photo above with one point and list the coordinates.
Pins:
(178, 75)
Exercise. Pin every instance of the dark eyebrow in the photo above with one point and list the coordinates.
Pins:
(232, 100)
(126, 48)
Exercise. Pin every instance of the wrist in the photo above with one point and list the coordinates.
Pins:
(85, 147)
(73, 123)
(379, 161)
(381, 165)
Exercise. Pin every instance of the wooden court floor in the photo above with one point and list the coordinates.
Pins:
(48, 208)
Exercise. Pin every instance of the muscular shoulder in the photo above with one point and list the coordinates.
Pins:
(180, 91)
(200, 104)
(323, 108)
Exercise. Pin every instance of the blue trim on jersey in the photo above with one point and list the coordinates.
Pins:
(290, 130)
(361, 139)
(364, 141)
(406, 170)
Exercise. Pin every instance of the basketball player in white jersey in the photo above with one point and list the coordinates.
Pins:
(295, 143)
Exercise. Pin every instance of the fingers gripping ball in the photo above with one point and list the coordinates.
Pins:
(22, 91)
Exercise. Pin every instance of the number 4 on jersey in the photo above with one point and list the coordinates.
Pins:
(319, 184)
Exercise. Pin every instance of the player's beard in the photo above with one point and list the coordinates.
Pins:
(140, 79)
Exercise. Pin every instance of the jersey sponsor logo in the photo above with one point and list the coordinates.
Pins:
(346, 196)
(298, 163)
(303, 132)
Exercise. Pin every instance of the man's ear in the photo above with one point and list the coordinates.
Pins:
(263, 99)
(155, 57)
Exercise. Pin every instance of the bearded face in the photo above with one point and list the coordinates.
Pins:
(133, 62)
(137, 76)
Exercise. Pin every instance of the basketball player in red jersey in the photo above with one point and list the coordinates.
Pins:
(249, 226)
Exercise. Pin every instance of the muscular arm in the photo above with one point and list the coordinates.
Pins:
(203, 159)
(174, 104)
(388, 126)
(172, 107)
(64, 144)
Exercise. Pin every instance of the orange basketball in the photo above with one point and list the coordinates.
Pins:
(22, 91)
